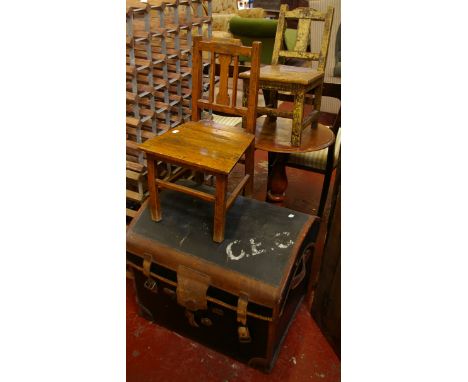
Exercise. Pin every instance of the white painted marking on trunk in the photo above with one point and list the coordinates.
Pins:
(231, 255)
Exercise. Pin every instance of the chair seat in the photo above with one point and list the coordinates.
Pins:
(287, 74)
(316, 159)
(206, 145)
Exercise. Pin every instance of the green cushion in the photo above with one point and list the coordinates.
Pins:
(266, 51)
(249, 30)
(290, 36)
(253, 27)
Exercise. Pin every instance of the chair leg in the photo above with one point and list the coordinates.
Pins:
(324, 194)
(198, 177)
(298, 114)
(272, 102)
(266, 96)
(249, 169)
(317, 102)
(334, 196)
(220, 208)
(270, 97)
(154, 203)
(327, 178)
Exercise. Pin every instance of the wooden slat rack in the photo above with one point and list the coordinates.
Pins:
(158, 78)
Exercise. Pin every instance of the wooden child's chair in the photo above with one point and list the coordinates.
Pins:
(206, 146)
(295, 80)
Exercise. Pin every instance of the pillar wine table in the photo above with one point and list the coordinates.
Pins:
(274, 135)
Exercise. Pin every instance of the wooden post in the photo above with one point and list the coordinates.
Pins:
(196, 78)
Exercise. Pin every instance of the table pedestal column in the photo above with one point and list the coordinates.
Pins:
(277, 178)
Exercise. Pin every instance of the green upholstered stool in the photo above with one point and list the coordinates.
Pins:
(249, 30)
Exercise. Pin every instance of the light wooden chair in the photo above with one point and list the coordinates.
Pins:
(206, 146)
(294, 80)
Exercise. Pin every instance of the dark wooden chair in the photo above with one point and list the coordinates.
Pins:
(297, 81)
(326, 304)
(204, 145)
(326, 160)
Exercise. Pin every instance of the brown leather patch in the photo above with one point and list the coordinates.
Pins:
(191, 288)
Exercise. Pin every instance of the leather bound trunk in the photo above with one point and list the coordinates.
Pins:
(237, 297)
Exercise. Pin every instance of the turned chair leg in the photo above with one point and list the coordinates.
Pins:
(220, 208)
(154, 203)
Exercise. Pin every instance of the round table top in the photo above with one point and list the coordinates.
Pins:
(275, 136)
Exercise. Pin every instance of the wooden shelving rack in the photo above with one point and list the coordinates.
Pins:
(158, 78)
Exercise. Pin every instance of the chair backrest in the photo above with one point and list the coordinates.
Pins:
(304, 16)
(227, 54)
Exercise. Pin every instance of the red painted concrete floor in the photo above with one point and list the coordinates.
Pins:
(157, 354)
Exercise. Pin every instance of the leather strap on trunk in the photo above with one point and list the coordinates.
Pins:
(191, 288)
(147, 265)
(149, 283)
(242, 308)
(243, 330)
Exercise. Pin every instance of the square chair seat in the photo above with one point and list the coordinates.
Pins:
(206, 144)
(288, 74)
